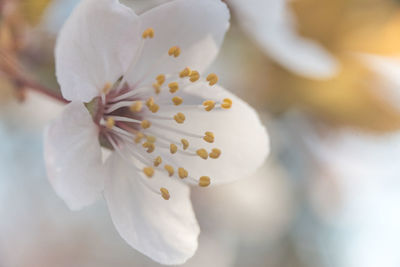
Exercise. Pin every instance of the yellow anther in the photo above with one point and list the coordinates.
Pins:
(173, 87)
(169, 169)
(226, 103)
(215, 153)
(174, 51)
(150, 147)
(209, 137)
(148, 33)
(145, 124)
(110, 123)
(157, 88)
(136, 106)
(151, 139)
(204, 181)
(183, 173)
(185, 73)
(164, 193)
(212, 79)
(154, 108)
(180, 118)
(194, 76)
(106, 89)
(177, 100)
(202, 153)
(160, 79)
(173, 148)
(148, 171)
(139, 137)
(185, 144)
(157, 161)
(209, 105)
(150, 102)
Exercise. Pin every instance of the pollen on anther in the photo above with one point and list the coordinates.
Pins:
(174, 51)
(204, 181)
(148, 171)
(194, 76)
(154, 108)
(183, 173)
(226, 103)
(157, 161)
(177, 100)
(110, 123)
(173, 148)
(136, 106)
(185, 144)
(148, 33)
(164, 193)
(169, 169)
(151, 139)
(215, 153)
(150, 102)
(180, 118)
(145, 124)
(173, 87)
(209, 105)
(209, 137)
(157, 88)
(212, 79)
(150, 147)
(202, 153)
(185, 72)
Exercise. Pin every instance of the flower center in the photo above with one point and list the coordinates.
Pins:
(139, 122)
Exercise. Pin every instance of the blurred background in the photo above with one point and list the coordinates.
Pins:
(324, 76)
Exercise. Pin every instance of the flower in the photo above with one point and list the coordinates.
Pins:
(273, 25)
(136, 88)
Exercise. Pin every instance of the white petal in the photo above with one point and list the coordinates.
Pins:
(95, 46)
(73, 157)
(238, 132)
(164, 230)
(272, 25)
(197, 27)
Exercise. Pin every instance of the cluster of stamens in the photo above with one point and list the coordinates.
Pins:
(129, 121)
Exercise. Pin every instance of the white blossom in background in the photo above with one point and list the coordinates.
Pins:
(273, 26)
(166, 125)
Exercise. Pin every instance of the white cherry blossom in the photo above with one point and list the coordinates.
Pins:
(137, 89)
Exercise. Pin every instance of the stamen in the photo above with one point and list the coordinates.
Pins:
(169, 169)
(185, 73)
(204, 181)
(110, 123)
(150, 102)
(180, 118)
(157, 161)
(160, 79)
(194, 76)
(177, 100)
(215, 153)
(174, 51)
(212, 79)
(148, 171)
(209, 105)
(173, 148)
(209, 137)
(151, 139)
(185, 144)
(202, 153)
(183, 173)
(145, 124)
(136, 106)
(226, 103)
(164, 193)
(154, 108)
(139, 137)
(173, 87)
(150, 147)
(157, 88)
(149, 33)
